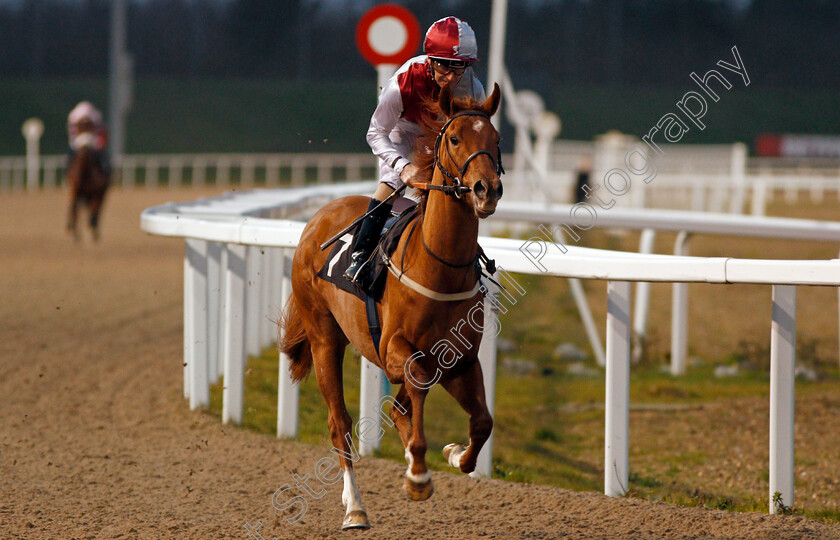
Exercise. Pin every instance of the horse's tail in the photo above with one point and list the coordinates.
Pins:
(294, 342)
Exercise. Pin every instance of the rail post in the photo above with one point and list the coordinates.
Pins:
(288, 392)
(234, 328)
(782, 389)
(214, 302)
(640, 313)
(617, 406)
(487, 358)
(679, 313)
(253, 318)
(196, 324)
(371, 392)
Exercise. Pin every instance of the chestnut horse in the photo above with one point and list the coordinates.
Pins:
(320, 319)
(88, 185)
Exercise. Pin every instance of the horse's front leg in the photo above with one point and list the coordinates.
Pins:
(72, 215)
(468, 391)
(95, 209)
(418, 479)
(401, 415)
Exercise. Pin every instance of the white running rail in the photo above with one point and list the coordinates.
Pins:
(556, 225)
(236, 256)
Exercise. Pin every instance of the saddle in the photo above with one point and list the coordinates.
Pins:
(403, 212)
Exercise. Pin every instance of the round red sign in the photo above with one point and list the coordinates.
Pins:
(387, 34)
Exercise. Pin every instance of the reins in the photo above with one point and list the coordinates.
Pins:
(455, 190)
(429, 251)
(447, 263)
(425, 291)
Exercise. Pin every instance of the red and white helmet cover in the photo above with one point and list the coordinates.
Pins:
(85, 110)
(451, 38)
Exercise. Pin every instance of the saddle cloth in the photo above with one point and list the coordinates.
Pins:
(402, 213)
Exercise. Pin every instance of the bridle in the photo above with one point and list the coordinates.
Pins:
(459, 187)
(456, 189)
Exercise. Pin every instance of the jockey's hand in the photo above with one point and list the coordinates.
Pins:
(411, 175)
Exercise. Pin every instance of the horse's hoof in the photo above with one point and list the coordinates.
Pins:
(357, 519)
(452, 453)
(418, 492)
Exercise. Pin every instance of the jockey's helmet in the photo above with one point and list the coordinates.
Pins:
(85, 111)
(452, 40)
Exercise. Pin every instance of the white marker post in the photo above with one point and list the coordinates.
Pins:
(32, 130)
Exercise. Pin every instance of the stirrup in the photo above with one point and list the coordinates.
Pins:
(358, 261)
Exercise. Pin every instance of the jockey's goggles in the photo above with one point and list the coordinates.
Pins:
(445, 67)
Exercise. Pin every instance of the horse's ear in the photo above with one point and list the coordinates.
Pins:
(492, 103)
(445, 101)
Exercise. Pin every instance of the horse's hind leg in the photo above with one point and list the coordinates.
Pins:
(468, 391)
(328, 355)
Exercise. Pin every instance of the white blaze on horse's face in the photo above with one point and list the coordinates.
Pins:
(466, 137)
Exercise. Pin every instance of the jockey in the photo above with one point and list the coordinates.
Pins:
(450, 49)
(86, 128)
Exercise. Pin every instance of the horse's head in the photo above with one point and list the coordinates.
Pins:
(467, 150)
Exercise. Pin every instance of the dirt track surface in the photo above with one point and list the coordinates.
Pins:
(98, 442)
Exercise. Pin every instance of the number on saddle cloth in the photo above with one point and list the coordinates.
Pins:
(402, 213)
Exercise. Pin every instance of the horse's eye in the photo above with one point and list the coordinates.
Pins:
(453, 140)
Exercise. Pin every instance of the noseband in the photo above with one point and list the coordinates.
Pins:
(462, 170)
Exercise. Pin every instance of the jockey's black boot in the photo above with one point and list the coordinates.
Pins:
(364, 242)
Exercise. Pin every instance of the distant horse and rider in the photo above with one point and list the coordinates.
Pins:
(439, 252)
(88, 171)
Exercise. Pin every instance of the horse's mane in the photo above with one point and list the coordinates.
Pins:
(431, 122)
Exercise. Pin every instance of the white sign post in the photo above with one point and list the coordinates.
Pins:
(32, 130)
(387, 35)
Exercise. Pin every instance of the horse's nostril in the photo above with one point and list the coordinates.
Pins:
(480, 189)
(499, 191)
